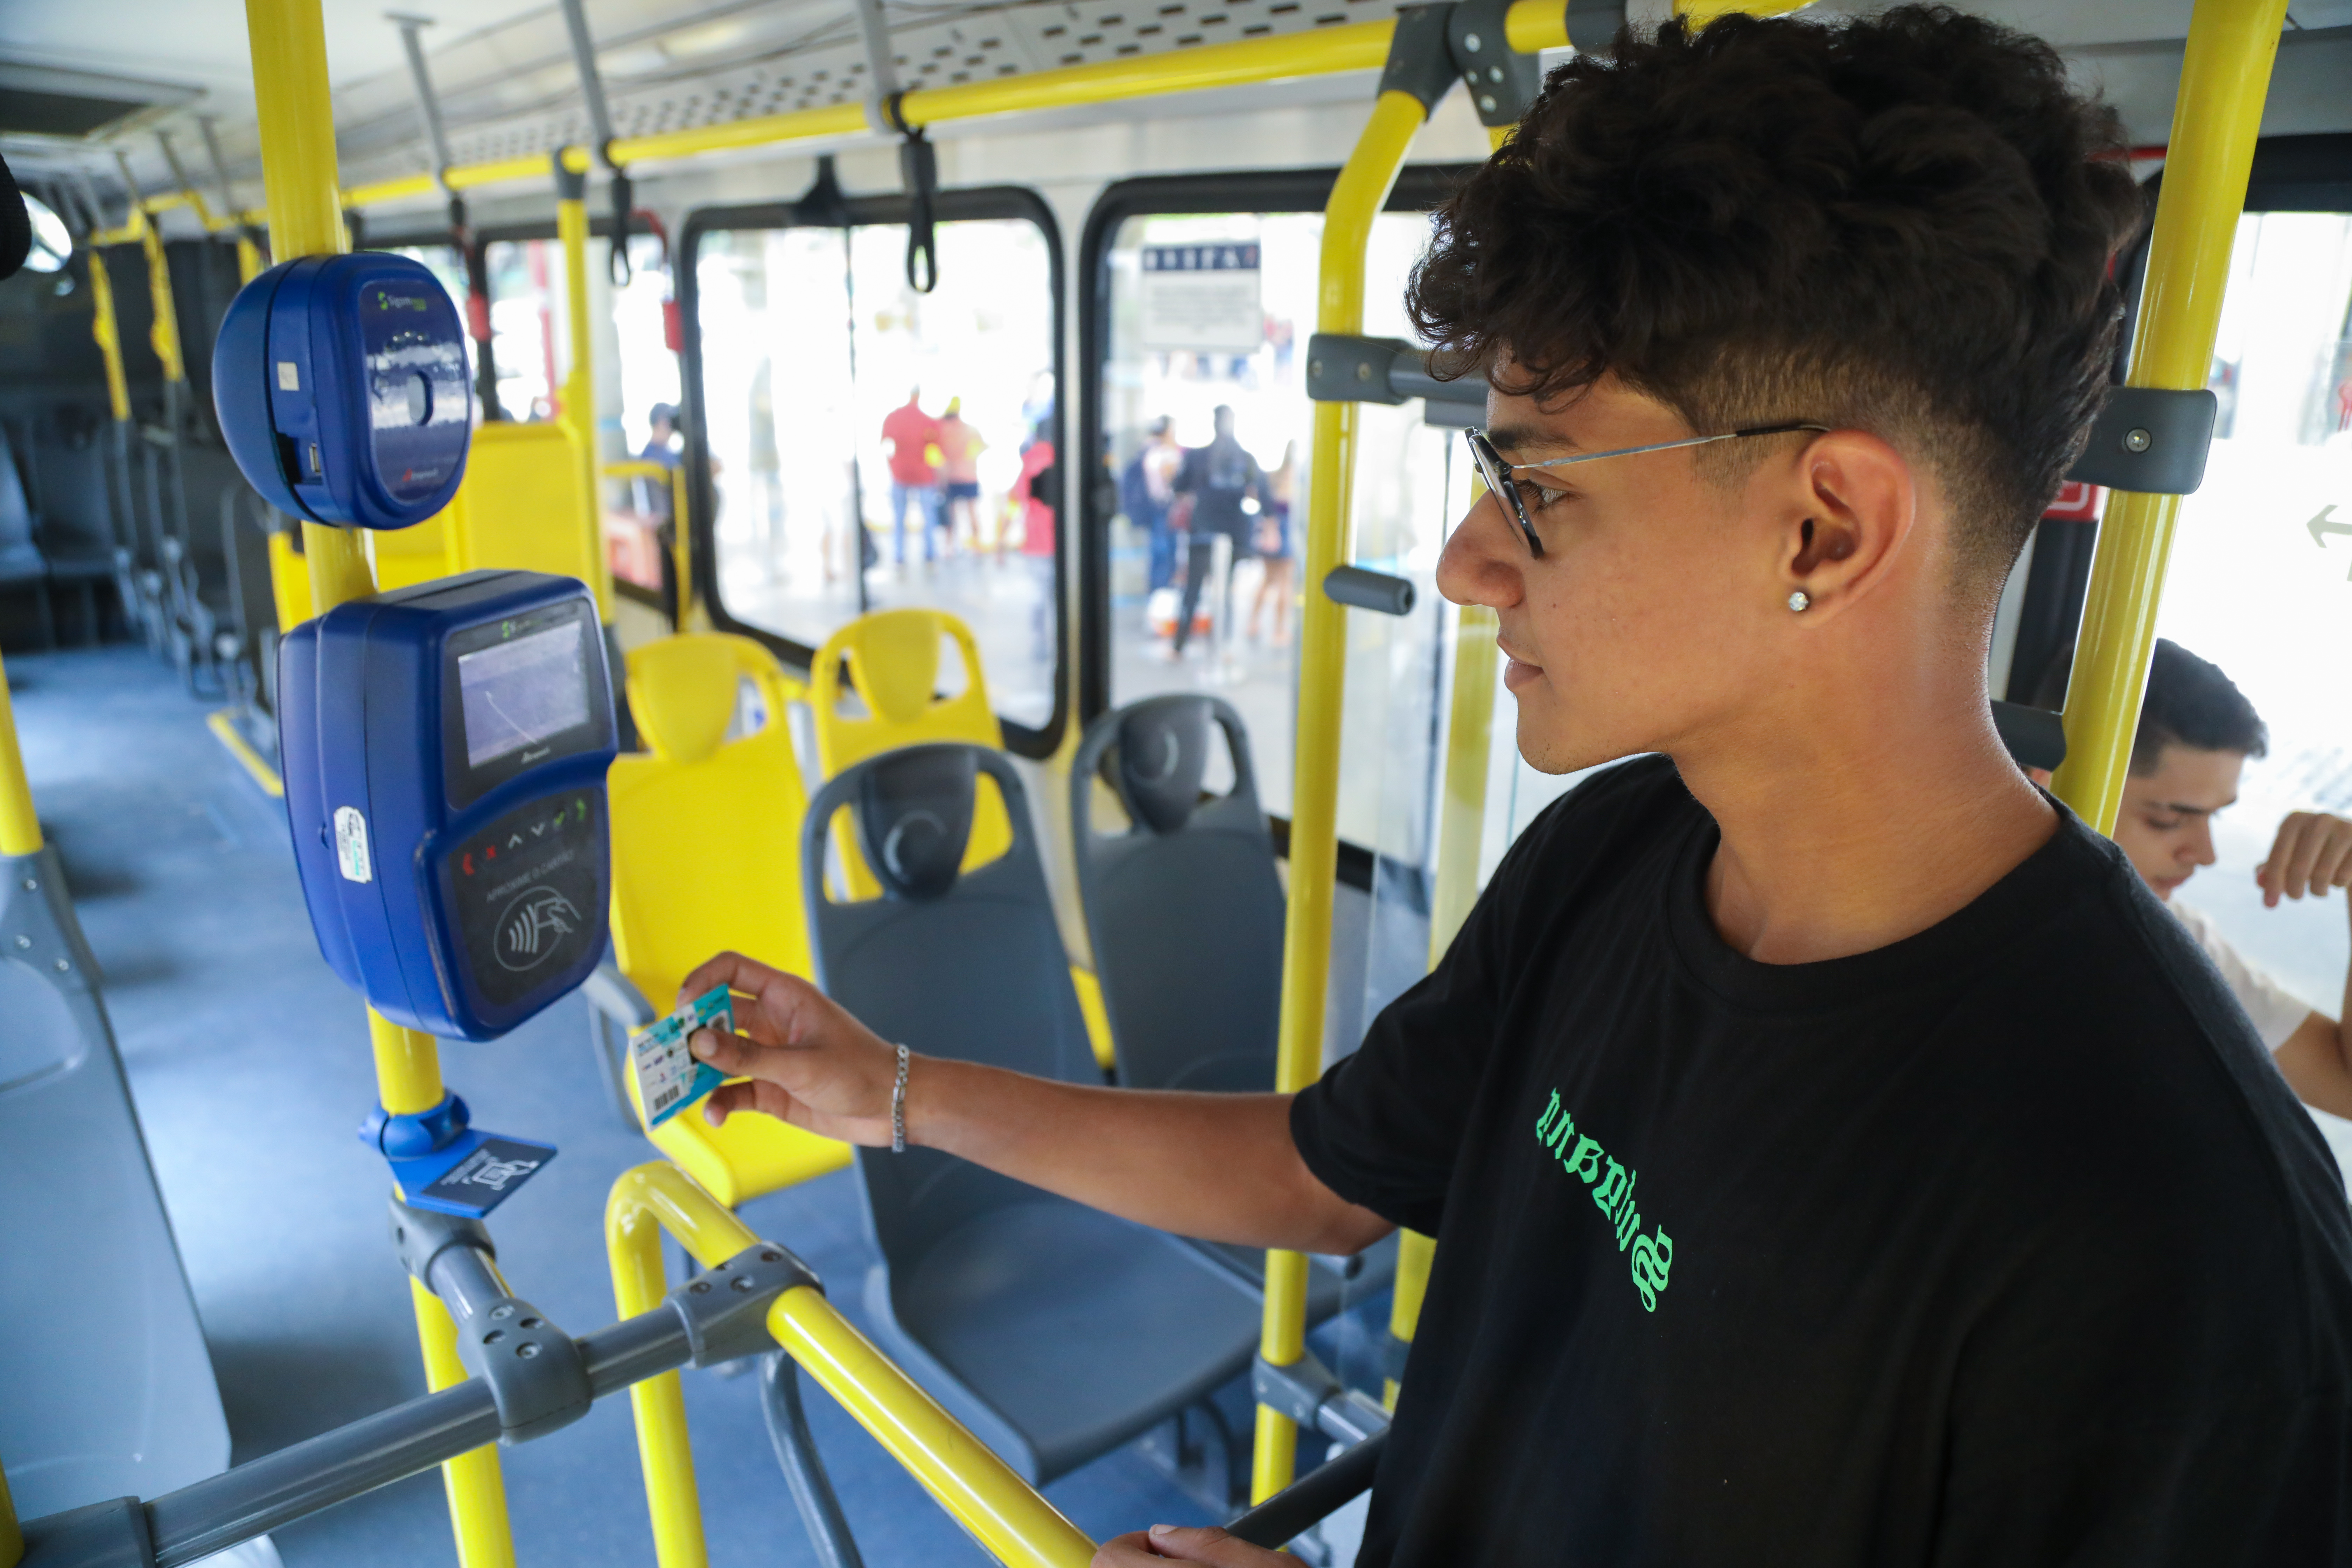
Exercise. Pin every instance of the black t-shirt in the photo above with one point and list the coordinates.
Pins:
(2003, 1244)
(1219, 477)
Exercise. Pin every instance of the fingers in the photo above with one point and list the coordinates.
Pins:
(733, 969)
(749, 1094)
(2332, 866)
(1185, 1543)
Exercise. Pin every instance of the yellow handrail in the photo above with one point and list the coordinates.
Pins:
(1355, 46)
(1000, 1509)
(2224, 78)
(578, 394)
(1357, 197)
(105, 329)
(20, 830)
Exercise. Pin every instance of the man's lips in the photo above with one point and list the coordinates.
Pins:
(1516, 671)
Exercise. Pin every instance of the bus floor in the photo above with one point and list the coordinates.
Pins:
(250, 1068)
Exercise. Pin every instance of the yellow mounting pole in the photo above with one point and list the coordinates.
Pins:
(298, 170)
(12, 1540)
(20, 830)
(1357, 197)
(2224, 78)
(578, 394)
(105, 329)
(1000, 1511)
(163, 334)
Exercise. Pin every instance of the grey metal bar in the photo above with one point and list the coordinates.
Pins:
(1362, 589)
(220, 170)
(214, 1514)
(1311, 1498)
(428, 104)
(591, 86)
(795, 1446)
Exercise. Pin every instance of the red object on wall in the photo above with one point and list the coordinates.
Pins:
(2076, 502)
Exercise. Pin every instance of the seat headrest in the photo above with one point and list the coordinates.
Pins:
(1163, 756)
(914, 818)
(894, 657)
(682, 692)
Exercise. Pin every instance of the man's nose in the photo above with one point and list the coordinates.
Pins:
(1476, 566)
(2200, 846)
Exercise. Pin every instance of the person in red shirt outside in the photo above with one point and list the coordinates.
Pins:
(1038, 490)
(959, 448)
(911, 438)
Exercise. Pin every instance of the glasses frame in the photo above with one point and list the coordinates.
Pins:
(1497, 473)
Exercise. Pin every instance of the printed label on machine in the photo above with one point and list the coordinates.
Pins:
(668, 1077)
(526, 889)
(351, 844)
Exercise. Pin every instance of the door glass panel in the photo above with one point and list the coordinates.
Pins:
(529, 341)
(1214, 310)
(2259, 577)
(874, 447)
(636, 511)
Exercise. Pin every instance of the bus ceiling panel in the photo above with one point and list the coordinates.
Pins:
(1039, 734)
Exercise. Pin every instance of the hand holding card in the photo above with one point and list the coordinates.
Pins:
(668, 1077)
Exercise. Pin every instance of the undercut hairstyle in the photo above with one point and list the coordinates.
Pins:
(1905, 225)
(2189, 703)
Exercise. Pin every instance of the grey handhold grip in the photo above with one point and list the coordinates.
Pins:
(1363, 590)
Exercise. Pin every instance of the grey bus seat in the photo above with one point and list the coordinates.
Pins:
(1185, 912)
(108, 1388)
(1184, 909)
(1056, 1333)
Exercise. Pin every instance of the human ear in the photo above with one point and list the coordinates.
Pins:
(1851, 503)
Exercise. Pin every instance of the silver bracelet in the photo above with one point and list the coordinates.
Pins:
(899, 1107)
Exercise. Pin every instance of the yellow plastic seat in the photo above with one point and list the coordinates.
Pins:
(705, 857)
(891, 660)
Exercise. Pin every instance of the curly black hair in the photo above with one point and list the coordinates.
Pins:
(1904, 224)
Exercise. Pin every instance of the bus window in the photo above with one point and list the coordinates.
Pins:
(871, 447)
(527, 338)
(1211, 310)
(2260, 580)
(634, 512)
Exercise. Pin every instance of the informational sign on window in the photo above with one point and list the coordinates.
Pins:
(1202, 298)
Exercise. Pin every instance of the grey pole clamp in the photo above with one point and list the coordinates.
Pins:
(725, 1309)
(2150, 439)
(1308, 1393)
(1502, 81)
(1362, 589)
(533, 1369)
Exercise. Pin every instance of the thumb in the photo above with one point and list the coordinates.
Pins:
(1206, 1543)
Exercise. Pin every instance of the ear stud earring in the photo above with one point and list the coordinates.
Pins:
(1801, 601)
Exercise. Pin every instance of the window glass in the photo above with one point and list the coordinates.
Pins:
(874, 447)
(638, 512)
(1211, 310)
(2258, 576)
(527, 338)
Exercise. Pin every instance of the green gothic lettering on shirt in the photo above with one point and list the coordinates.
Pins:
(1581, 1156)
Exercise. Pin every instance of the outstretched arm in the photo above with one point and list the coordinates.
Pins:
(1219, 1166)
(2312, 854)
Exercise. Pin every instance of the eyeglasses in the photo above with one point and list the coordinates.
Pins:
(1497, 473)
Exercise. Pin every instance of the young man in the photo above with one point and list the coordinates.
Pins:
(1837, 1156)
(2196, 732)
(1223, 480)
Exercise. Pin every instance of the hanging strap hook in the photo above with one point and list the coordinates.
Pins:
(919, 173)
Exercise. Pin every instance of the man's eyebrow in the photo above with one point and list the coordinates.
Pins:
(1510, 440)
(2185, 809)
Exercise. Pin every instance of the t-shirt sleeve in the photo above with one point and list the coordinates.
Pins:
(2275, 1010)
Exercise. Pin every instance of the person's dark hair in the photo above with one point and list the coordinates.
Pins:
(1902, 224)
(2189, 703)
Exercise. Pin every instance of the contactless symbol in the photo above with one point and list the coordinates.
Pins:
(533, 927)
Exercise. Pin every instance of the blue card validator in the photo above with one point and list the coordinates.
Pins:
(668, 1077)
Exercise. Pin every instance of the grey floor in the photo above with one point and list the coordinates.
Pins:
(250, 1068)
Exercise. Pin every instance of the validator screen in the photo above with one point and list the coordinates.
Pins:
(521, 692)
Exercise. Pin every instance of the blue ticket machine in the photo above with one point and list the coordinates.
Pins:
(445, 749)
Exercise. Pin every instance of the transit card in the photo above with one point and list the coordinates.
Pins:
(668, 1077)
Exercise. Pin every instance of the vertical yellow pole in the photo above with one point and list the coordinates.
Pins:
(105, 329)
(163, 334)
(306, 218)
(2224, 78)
(1361, 190)
(664, 1451)
(12, 1540)
(20, 830)
(579, 393)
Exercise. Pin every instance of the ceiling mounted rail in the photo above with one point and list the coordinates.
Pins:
(1529, 25)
